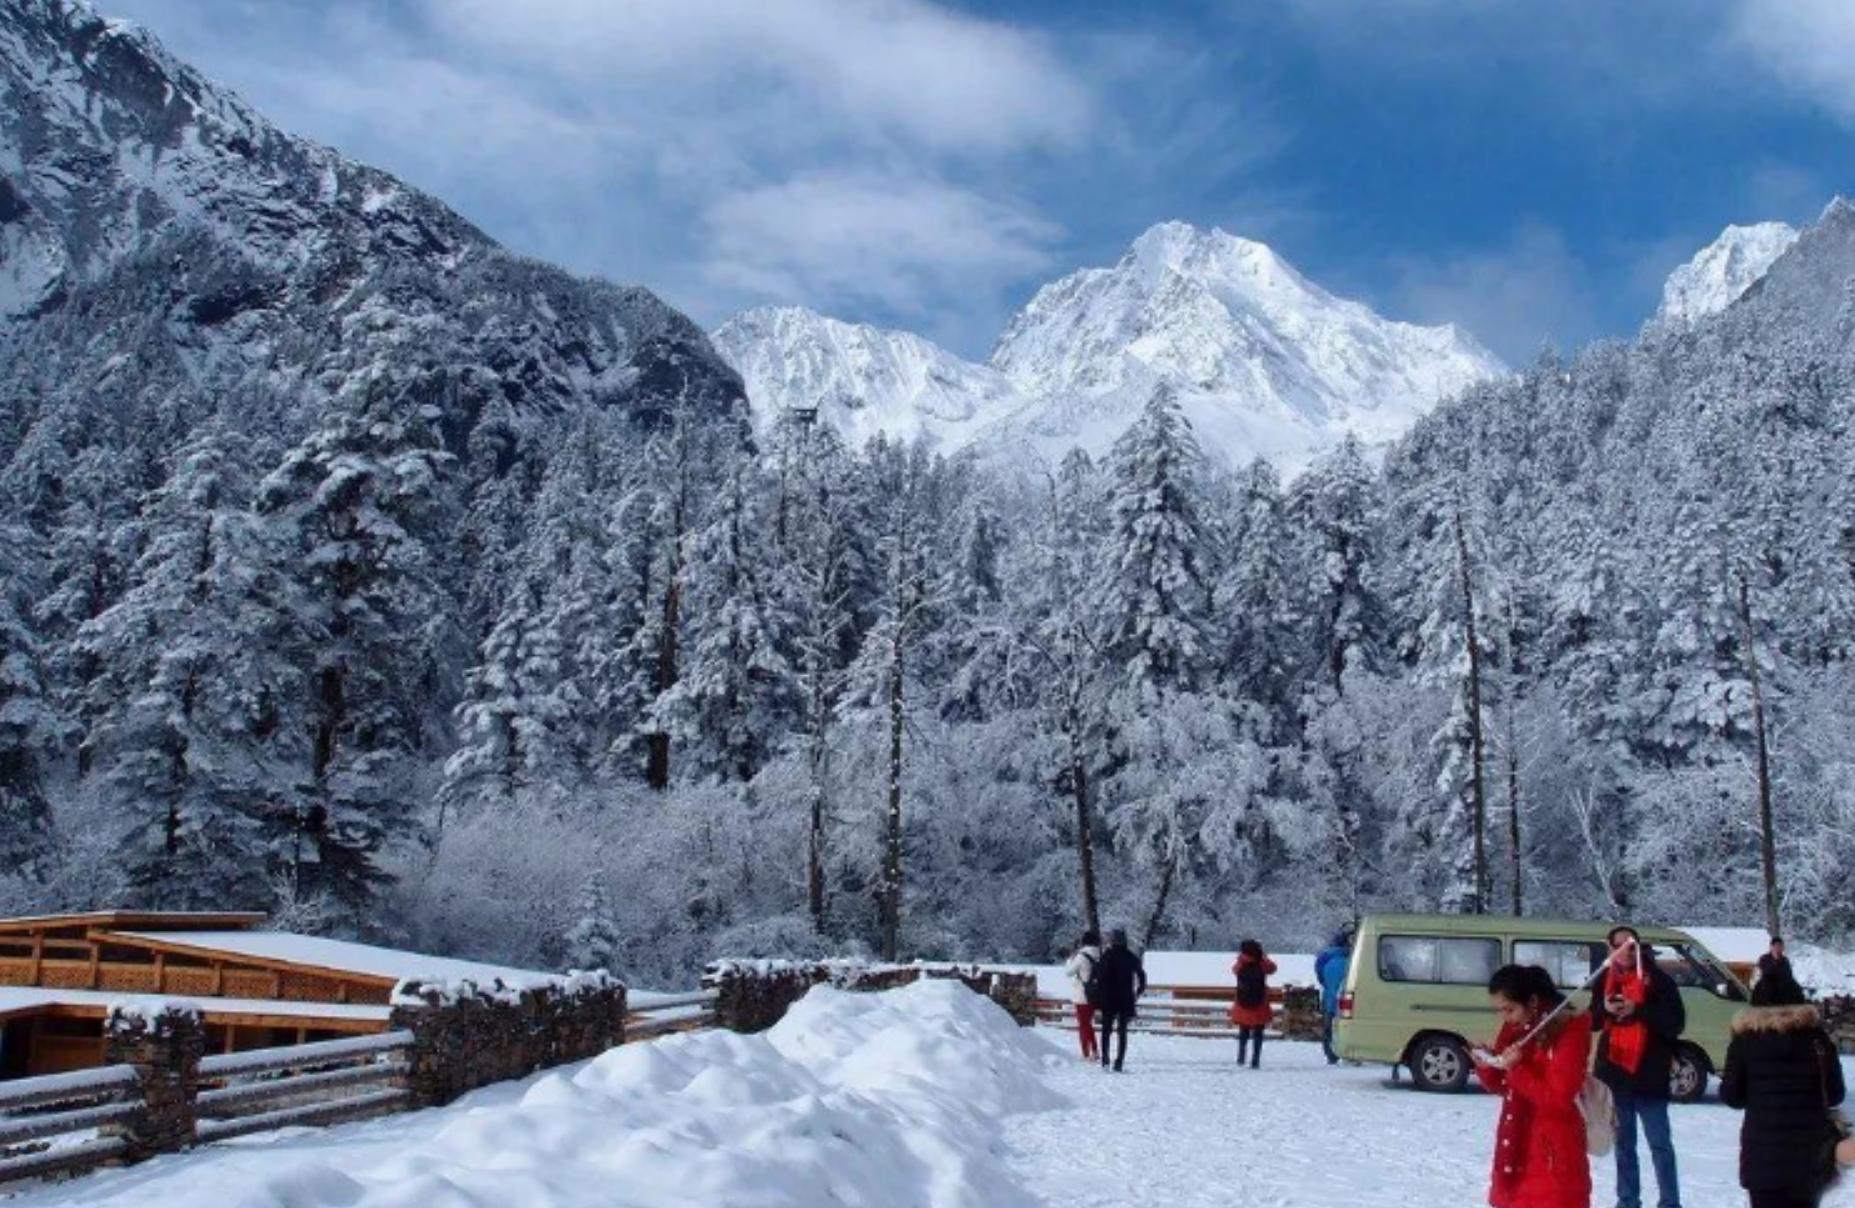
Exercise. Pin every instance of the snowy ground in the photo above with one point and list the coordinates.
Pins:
(1185, 1126)
(924, 1097)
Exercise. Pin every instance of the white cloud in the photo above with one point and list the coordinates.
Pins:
(1515, 298)
(890, 69)
(859, 238)
(1807, 46)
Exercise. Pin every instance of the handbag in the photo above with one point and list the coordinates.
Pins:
(1599, 1109)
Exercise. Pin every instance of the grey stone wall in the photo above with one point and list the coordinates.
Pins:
(165, 1048)
(467, 1035)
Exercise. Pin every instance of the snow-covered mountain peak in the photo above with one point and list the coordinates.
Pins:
(1720, 273)
(863, 380)
(1267, 362)
(1218, 259)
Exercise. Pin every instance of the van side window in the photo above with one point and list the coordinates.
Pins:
(1438, 960)
(1570, 963)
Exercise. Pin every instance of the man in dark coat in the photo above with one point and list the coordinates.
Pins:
(1120, 980)
(1782, 1070)
(1774, 960)
(1638, 1015)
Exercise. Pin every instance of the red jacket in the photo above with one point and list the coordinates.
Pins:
(1252, 1017)
(1539, 1148)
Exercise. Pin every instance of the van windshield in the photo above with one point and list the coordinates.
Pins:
(1691, 967)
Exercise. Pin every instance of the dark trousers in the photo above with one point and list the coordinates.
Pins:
(1110, 1021)
(1245, 1038)
(1326, 1040)
(1785, 1199)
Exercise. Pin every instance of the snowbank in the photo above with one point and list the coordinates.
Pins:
(892, 1100)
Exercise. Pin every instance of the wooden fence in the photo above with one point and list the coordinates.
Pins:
(169, 1097)
(1202, 1011)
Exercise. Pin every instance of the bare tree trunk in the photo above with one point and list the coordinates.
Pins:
(657, 744)
(892, 845)
(1513, 817)
(1166, 877)
(814, 854)
(1477, 792)
(1085, 823)
(1767, 834)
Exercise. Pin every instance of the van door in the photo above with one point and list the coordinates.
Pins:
(1436, 987)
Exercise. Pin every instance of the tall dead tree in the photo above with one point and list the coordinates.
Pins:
(1767, 831)
(1478, 800)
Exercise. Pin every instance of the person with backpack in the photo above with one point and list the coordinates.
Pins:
(1782, 1070)
(1120, 980)
(1330, 969)
(1250, 1012)
(1637, 1013)
(1537, 1066)
(1081, 970)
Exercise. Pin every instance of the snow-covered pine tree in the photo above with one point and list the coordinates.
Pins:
(197, 666)
(593, 941)
(30, 727)
(736, 695)
(353, 502)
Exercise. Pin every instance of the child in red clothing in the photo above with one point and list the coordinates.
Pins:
(1250, 1013)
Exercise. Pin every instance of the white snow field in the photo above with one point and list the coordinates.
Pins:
(923, 1097)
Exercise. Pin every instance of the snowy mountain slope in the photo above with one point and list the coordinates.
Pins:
(1722, 271)
(862, 379)
(145, 208)
(1265, 361)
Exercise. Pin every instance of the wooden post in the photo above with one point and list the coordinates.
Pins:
(160, 973)
(165, 1051)
(38, 957)
(218, 977)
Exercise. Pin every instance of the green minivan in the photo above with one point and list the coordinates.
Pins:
(1416, 993)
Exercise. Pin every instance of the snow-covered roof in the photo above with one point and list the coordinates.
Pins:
(1739, 945)
(343, 955)
(29, 998)
(133, 918)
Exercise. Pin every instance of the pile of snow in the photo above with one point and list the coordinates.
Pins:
(887, 1100)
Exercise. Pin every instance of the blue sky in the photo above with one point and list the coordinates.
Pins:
(1530, 169)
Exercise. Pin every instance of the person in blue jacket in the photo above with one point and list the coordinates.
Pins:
(1330, 971)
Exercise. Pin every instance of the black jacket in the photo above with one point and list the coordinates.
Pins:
(1121, 978)
(1666, 1017)
(1782, 1069)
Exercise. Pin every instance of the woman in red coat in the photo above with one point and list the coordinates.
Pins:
(1250, 1013)
(1539, 1148)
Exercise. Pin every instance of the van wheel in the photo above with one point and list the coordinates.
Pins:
(1439, 1064)
(1687, 1075)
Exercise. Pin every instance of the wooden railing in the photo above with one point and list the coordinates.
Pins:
(1201, 1011)
(664, 1016)
(57, 1123)
(329, 1082)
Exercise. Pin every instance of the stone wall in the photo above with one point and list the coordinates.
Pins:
(752, 996)
(165, 1047)
(467, 1035)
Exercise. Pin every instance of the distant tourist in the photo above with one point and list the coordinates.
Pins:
(1330, 969)
(1783, 1071)
(1250, 1013)
(1081, 970)
(1774, 960)
(1537, 1066)
(1120, 980)
(1638, 1013)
